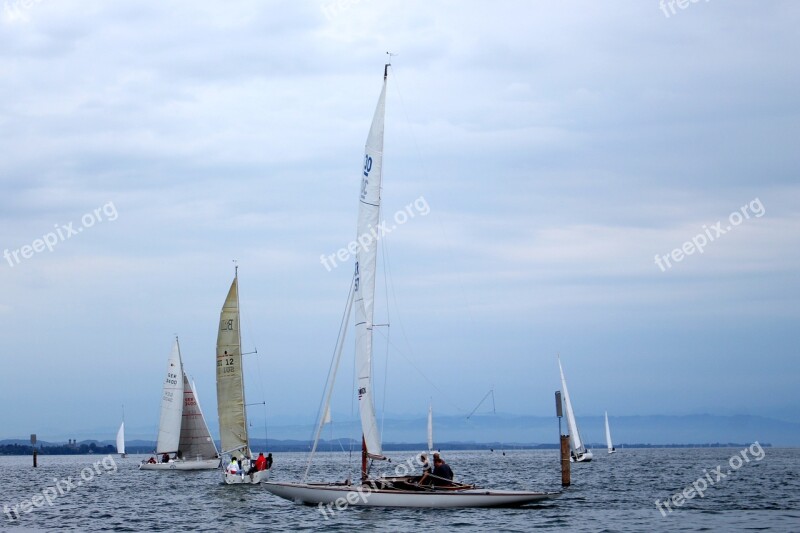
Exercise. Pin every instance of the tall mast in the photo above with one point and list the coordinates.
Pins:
(364, 278)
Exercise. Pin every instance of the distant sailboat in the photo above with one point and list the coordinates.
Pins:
(578, 452)
(121, 437)
(231, 406)
(182, 430)
(611, 448)
(401, 491)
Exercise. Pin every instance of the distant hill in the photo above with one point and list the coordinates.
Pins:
(488, 429)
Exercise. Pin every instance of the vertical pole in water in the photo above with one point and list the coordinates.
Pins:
(33, 444)
(363, 458)
(564, 444)
(565, 460)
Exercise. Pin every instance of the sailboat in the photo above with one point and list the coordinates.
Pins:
(231, 406)
(578, 452)
(182, 429)
(121, 437)
(402, 491)
(611, 448)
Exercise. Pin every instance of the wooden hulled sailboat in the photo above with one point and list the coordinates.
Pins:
(578, 451)
(182, 430)
(381, 491)
(231, 406)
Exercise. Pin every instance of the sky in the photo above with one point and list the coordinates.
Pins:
(613, 182)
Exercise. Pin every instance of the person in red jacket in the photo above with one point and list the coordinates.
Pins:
(261, 462)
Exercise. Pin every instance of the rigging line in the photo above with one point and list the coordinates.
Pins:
(333, 356)
(490, 393)
(260, 379)
(388, 332)
(397, 306)
(424, 376)
(425, 172)
(325, 403)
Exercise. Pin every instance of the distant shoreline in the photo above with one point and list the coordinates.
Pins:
(94, 447)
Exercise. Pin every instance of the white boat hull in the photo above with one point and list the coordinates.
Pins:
(584, 457)
(239, 479)
(203, 464)
(364, 495)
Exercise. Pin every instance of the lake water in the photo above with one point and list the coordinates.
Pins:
(613, 493)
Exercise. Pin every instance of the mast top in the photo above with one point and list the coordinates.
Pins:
(387, 65)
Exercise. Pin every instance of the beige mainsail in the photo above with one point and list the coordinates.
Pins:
(230, 379)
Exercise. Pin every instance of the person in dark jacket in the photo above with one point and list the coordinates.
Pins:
(442, 475)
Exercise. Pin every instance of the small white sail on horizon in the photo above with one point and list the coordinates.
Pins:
(579, 452)
(610, 446)
(121, 439)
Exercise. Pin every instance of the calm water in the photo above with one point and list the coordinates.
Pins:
(613, 493)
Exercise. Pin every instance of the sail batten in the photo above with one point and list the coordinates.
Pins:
(365, 268)
(230, 379)
(169, 425)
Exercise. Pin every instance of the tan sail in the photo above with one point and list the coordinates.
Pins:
(230, 380)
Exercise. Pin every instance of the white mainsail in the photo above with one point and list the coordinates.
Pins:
(230, 380)
(608, 436)
(574, 436)
(364, 298)
(169, 425)
(195, 442)
(121, 439)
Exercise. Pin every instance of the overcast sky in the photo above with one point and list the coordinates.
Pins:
(559, 146)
